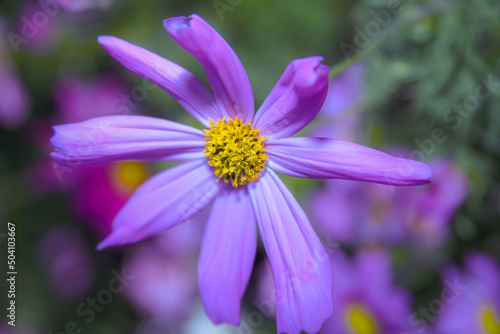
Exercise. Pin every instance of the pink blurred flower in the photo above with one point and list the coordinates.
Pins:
(472, 302)
(365, 297)
(339, 117)
(14, 99)
(66, 257)
(366, 301)
(101, 191)
(76, 6)
(78, 100)
(37, 29)
(361, 213)
(96, 192)
(165, 284)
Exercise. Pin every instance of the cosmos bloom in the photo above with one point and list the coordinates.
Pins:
(164, 267)
(163, 286)
(366, 300)
(471, 299)
(242, 151)
(373, 213)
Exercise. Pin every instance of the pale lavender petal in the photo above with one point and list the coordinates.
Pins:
(295, 100)
(163, 201)
(326, 158)
(300, 264)
(227, 254)
(114, 138)
(485, 269)
(188, 90)
(227, 77)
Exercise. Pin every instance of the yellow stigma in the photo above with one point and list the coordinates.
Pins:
(490, 321)
(360, 321)
(235, 151)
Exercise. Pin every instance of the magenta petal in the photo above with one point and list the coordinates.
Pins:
(299, 262)
(114, 138)
(325, 158)
(190, 92)
(163, 201)
(295, 100)
(227, 254)
(227, 77)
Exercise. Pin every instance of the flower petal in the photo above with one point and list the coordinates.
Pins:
(114, 138)
(326, 158)
(188, 90)
(163, 201)
(227, 254)
(295, 100)
(227, 77)
(300, 264)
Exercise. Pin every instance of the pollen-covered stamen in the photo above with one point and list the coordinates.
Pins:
(235, 151)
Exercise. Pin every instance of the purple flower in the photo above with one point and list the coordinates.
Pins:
(78, 99)
(14, 99)
(37, 31)
(163, 286)
(365, 298)
(355, 212)
(14, 102)
(244, 150)
(100, 192)
(470, 301)
(339, 116)
(430, 209)
(66, 257)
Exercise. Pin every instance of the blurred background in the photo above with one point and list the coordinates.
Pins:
(423, 82)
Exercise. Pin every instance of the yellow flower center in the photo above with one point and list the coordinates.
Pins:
(235, 151)
(129, 175)
(361, 321)
(490, 321)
